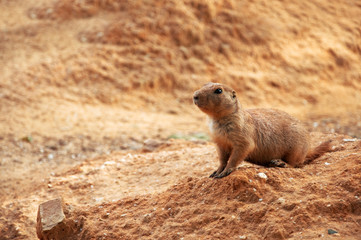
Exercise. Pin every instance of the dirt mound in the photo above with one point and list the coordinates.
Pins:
(252, 203)
(169, 196)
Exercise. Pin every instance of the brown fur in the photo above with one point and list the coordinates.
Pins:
(259, 136)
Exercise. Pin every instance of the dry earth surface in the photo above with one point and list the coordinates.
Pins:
(96, 108)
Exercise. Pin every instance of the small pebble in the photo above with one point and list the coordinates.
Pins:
(262, 175)
(33, 15)
(331, 231)
(350, 139)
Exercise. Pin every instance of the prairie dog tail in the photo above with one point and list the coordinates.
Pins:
(318, 151)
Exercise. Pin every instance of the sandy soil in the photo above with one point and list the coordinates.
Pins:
(96, 108)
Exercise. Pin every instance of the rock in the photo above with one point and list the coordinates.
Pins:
(331, 231)
(262, 175)
(150, 145)
(350, 139)
(51, 221)
(275, 232)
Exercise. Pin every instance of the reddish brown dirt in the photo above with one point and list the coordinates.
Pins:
(96, 108)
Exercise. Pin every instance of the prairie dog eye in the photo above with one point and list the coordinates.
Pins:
(218, 91)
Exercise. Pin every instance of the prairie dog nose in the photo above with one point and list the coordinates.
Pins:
(195, 97)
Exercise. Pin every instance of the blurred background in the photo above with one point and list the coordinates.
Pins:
(81, 78)
(110, 68)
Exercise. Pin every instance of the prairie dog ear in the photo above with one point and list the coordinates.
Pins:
(234, 94)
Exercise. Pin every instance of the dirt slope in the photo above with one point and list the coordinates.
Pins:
(289, 203)
(94, 92)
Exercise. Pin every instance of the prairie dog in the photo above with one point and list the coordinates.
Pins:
(261, 136)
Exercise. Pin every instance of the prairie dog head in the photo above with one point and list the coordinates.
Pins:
(216, 100)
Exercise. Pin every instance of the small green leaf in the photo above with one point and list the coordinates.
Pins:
(27, 138)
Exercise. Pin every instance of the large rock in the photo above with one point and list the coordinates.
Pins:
(52, 223)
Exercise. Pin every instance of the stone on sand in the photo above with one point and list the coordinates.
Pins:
(51, 221)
